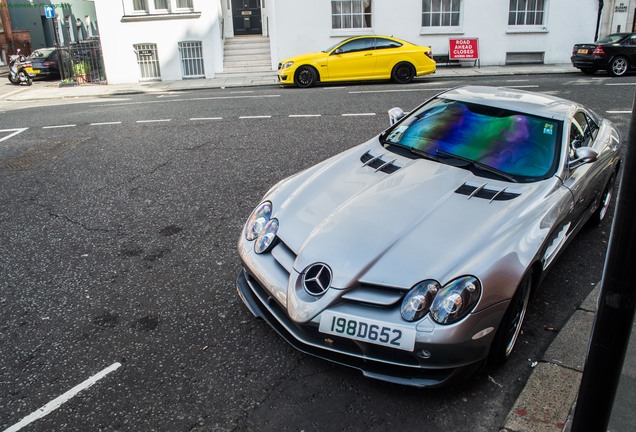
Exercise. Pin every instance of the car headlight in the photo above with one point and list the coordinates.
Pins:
(456, 300)
(266, 237)
(257, 220)
(287, 64)
(419, 299)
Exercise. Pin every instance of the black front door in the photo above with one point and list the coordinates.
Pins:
(246, 16)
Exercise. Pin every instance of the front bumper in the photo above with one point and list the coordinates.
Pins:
(374, 361)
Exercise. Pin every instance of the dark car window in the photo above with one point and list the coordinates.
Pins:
(583, 131)
(357, 45)
(381, 43)
(613, 38)
(631, 41)
(518, 144)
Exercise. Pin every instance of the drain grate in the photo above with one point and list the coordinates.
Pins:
(35, 157)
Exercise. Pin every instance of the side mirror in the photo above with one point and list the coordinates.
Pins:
(395, 115)
(338, 51)
(582, 156)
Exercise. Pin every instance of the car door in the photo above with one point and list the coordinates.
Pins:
(585, 182)
(387, 54)
(629, 49)
(354, 59)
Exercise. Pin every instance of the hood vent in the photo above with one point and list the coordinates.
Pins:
(379, 163)
(485, 192)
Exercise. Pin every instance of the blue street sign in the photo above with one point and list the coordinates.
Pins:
(49, 11)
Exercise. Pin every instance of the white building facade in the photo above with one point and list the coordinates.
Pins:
(146, 40)
(181, 39)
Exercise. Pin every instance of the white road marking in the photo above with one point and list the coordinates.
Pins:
(523, 86)
(206, 118)
(105, 123)
(618, 112)
(59, 126)
(153, 121)
(256, 117)
(14, 132)
(358, 114)
(397, 91)
(517, 80)
(187, 100)
(57, 402)
(620, 84)
(168, 95)
(304, 115)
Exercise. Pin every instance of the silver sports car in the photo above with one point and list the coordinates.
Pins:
(412, 257)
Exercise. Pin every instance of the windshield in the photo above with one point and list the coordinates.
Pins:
(520, 145)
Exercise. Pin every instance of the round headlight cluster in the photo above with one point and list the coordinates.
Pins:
(447, 304)
(261, 227)
(418, 301)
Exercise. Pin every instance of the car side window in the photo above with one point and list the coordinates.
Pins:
(631, 40)
(381, 43)
(357, 45)
(583, 132)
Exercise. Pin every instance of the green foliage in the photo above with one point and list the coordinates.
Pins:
(81, 68)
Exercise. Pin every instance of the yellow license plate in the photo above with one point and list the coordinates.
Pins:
(37, 71)
(28, 70)
(582, 51)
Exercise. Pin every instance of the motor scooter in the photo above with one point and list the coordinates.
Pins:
(20, 70)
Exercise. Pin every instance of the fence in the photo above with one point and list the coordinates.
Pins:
(83, 62)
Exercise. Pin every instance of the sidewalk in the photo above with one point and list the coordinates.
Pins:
(546, 403)
(46, 90)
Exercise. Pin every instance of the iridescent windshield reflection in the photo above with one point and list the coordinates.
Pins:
(521, 145)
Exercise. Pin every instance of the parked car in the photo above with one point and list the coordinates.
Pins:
(412, 257)
(359, 58)
(47, 62)
(615, 53)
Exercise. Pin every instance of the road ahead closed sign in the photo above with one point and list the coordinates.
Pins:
(464, 49)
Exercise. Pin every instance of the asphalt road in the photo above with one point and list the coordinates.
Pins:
(119, 222)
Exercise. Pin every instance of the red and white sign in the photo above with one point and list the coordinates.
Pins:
(464, 49)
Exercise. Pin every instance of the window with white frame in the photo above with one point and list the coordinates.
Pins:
(441, 14)
(157, 7)
(350, 14)
(184, 4)
(140, 5)
(191, 54)
(148, 61)
(527, 13)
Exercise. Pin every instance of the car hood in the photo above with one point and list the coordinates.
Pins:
(398, 228)
(305, 58)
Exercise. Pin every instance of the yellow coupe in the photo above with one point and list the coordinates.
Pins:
(359, 58)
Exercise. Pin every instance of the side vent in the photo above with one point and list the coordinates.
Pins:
(485, 193)
(379, 163)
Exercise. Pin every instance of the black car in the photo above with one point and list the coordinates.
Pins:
(615, 53)
(47, 62)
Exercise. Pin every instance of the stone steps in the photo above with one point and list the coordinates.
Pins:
(247, 54)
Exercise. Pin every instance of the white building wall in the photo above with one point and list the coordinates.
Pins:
(300, 26)
(119, 34)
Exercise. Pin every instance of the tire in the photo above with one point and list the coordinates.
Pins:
(588, 71)
(23, 77)
(11, 79)
(403, 73)
(603, 206)
(511, 323)
(618, 66)
(305, 77)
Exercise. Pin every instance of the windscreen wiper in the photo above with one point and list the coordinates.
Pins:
(480, 165)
